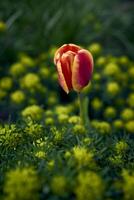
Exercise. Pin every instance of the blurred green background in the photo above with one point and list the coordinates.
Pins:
(35, 25)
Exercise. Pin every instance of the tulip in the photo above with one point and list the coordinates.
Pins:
(75, 67)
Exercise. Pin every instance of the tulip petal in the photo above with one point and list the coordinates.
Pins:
(82, 69)
(66, 64)
(65, 48)
(61, 78)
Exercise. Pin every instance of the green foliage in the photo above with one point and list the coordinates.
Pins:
(44, 149)
(40, 161)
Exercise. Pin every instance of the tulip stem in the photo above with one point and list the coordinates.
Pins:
(83, 103)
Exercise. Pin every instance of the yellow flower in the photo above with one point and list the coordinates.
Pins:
(17, 69)
(87, 140)
(130, 100)
(118, 124)
(101, 61)
(74, 119)
(62, 109)
(18, 97)
(121, 147)
(113, 89)
(116, 160)
(129, 126)
(30, 80)
(40, 154)
(97, 77)
(63, 118)
(89, 186)
(96, 104)
(27, 61)
(45, 72)
(82, 156)
(131, 72)
(111, 69)
(67, 154)
(127, 114)
(102, 127)
(52, 99)
(123, 60)
(50, 165)
(22, 184)
(110, 113)
(49, 121)
(128, 185)
(6, 83)
(59, 185)
(34, 111)
(79, 129)
(49, 113)
(95, 48)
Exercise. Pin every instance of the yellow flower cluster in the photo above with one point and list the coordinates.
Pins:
(22, 184)
(34, 111)
(89, 186)
(82, 156)
(128, 186)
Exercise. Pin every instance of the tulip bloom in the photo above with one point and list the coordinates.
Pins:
(75, 67)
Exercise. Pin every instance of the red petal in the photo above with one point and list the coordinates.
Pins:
(82, 69)
(66, 64)
(61, 77)
(63, 49)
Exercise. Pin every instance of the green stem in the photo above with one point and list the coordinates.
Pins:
(83, 103)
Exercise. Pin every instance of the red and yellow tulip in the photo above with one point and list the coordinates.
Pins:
(75, 67)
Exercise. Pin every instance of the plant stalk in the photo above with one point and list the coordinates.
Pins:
(83, 104)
